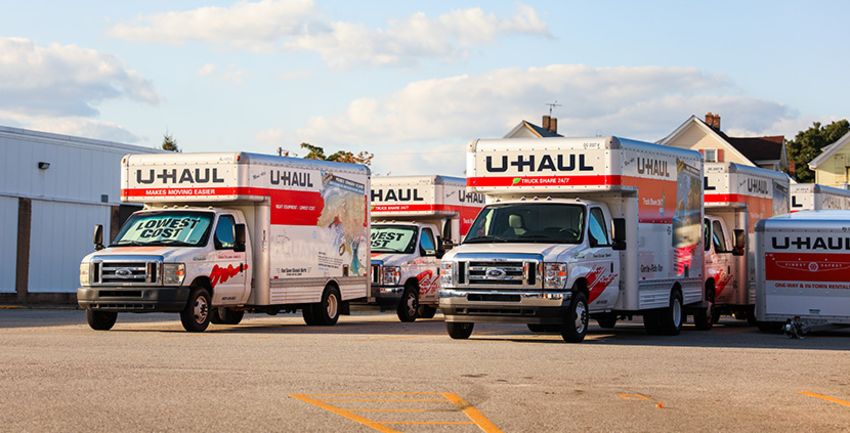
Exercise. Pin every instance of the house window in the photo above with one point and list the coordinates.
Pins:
(710, 155)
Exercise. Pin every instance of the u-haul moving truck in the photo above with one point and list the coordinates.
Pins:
(813, 196)
(414, 218)
(736, 198)
(222, 233)
(803, 268)
(577, 228)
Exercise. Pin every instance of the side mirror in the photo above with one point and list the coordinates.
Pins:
(740, 243)
(98, 237)
(239, 241)
(447, 245)
(618, 239)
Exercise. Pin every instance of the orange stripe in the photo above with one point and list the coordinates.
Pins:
(429, 422)
(345, 414)
(472, 413)
(827, 398)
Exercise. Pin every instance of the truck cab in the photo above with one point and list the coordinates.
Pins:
(723, 269)
(405, 267)
(159, 255)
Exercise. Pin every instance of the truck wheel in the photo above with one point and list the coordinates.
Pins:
(309, 316)
(229, 316)
(101, 320)
(408, 306)
(327, 312)
(196, 315)
(651, 322)
(459, 331)
(607, 321)
(215, 317)
(427, 311)
(575, 325)
(751, 315)
(715, 315)
(671, 318)
(704, 318)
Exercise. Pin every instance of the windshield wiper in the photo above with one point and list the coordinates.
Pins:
(485, 238)
(175, 242)
(129, 244)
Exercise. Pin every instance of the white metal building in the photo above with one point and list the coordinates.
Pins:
(53, 190)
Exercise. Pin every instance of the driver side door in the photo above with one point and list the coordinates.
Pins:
(228, 275)
(603, 280)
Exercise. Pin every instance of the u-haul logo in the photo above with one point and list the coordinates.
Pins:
(470, 197)
(810, 243)
(652, 166)
(396, 194)
(179, 176)
(291, 178)
(531, 163)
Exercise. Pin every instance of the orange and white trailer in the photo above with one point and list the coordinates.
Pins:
(736, 198)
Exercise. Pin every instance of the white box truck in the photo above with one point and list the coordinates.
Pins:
(578, 228)
(803, 269)
(225, 233)
(414, 220)
(736, 198)
(813, 196)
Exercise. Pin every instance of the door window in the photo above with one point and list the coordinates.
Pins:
(224, 233)
(427, 247)
(596, 228)
(717, 237)
(706, 234)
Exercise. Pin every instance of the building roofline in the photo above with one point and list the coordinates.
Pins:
(829, 150)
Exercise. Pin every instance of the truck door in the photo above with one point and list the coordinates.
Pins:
(228, 275)
(718, 263)
(603, 281)
(427, 272)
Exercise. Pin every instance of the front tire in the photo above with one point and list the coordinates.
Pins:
(408, 306)
(671, 318)
(101, 320)
(575, 325)
(704, 318)
(427, 312)
(607, 321)
(326, 312)
(459, 331)
(229, 316)
(196, 315)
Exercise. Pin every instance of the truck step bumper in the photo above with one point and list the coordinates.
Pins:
(504, 306)
(133, 299)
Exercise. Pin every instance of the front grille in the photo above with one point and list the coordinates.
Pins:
(492, 273)
(127, 273)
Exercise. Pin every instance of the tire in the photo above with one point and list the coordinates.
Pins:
(607, 321)
(215, 317)
(770, 327)
(459, 331)
(229, 316)
(740, 315)
(651, 323)
(408, 305)
(326, 312)
(196, 314)
(751, 315)
(427, 312)
(670, 319)
(715, 315)
(309, 316)
(101, 320)
(704, 318)
(576, 323)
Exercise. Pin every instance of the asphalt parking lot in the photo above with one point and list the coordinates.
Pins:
(371, 373)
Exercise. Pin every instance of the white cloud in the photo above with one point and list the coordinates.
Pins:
(423, 127)
(252, 25)
(296, 25)
(70, 125)
(64, 80)
(206, 70)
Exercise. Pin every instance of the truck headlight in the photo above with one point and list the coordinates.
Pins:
(554, 275)
(173, 274)
(85, 268)
(447, 274)
(390, 275)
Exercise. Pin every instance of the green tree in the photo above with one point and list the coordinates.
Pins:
(807, 145)
(317, 152)
(169, 143)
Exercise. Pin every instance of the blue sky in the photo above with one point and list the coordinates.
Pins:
(414, 81)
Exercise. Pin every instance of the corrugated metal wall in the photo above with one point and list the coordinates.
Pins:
(61, 236)
(8, 240)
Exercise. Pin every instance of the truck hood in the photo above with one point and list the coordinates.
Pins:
(391, 259)
(548, 251)
(168, 254)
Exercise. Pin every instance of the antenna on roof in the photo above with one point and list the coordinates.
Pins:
(552, 105)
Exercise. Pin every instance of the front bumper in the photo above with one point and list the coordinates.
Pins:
(387, 295)
(133, 299)
(504, 306)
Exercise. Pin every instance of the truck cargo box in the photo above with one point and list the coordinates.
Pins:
(813, 196)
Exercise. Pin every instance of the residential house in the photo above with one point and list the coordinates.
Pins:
(526, 129)
(716, 146)
(832, 166)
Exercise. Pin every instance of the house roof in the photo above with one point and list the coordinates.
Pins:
(754, 149)
(536, 130)
(828, 151)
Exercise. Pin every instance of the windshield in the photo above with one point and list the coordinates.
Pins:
(393, 239)
(528, 222)
(182, 228)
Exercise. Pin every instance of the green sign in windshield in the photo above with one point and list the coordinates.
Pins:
(393, 239)
(165, 228)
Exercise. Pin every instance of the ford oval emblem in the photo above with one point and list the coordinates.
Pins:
(123, 273)
(496, 273)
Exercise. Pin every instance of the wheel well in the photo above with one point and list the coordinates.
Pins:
(412, 282)
(332, 283)
(203, 282)
(709, 288)
(581, 286)
(676, 288)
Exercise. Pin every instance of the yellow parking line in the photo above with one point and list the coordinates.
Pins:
(361, 394)
(826, 398)
(472, 413)
(393, 400)
(391, 410)
(429, 422)
(632, 396)
(345, 414)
